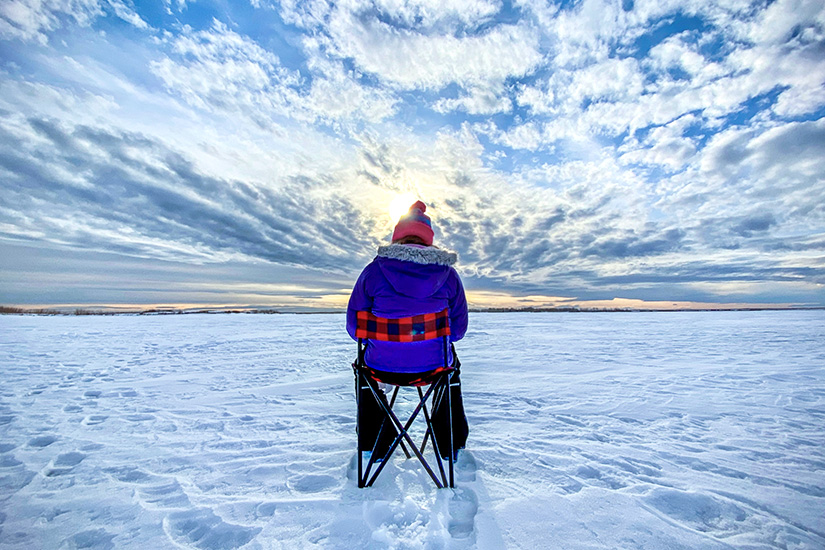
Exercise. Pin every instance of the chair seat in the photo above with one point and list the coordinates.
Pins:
(406, 378)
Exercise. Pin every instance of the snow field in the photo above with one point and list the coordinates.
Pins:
(588, 431)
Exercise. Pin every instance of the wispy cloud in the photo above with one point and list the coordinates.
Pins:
(33, 20)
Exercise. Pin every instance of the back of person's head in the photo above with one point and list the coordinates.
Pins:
(414, 227)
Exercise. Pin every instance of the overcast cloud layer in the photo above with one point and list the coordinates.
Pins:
(247, 153)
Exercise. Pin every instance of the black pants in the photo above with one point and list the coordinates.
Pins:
(377, 432)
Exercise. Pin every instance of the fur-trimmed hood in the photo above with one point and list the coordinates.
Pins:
(426, 255)
(413, 270)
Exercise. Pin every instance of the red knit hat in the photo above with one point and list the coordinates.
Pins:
(414, 222)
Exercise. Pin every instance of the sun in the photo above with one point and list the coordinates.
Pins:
(400, 204)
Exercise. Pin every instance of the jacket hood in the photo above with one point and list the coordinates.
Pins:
(415, 271)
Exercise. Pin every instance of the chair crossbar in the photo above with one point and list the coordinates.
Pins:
(403, 433)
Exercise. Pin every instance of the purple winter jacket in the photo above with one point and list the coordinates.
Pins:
(405, 280)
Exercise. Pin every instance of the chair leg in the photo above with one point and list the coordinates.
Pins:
(358, 379)
(450, 416)
(437, 396)
(429, 433)
(362, 384)
(427, 417)
(373, 455)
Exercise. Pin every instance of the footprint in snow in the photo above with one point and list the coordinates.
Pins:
(702, 512)
(42, 441)
(201, 528)
(94, 419)
(13, 474)
(139, 417)
(8, 461)
(463, 508)
(312, 483)
(265, 510)
(63, 464)
(588, 472)
(94, 539)
(465, 466)
(129, 474)
(185, 526)
(352, 468)
(163, 494)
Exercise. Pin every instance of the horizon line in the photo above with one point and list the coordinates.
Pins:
(82, 310)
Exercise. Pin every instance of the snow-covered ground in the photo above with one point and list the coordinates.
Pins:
(591, 430)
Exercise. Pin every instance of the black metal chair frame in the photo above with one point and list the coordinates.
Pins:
(439, 388)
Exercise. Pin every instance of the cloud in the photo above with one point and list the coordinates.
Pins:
(222, 71)
(791, 152)
(755, 224)
(480, 100)
(34, 20)
(218, 69)
(337, 93)
(424, 14)
(429, 13)
(784, 19)
(529, 136)
(756, 193)
(422, 44)
(664, 146)
(409, 59)
(675, 53)
(25, 20)
(800, 100)
(634, 245)
(136, 196)
(603, 82)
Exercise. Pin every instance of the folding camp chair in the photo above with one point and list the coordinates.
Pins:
(408, 329)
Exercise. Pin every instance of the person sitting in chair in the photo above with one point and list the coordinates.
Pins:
(410, 277)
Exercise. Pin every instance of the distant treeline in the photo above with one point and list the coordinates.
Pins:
(172, 311)
(42, 311)
(17, 310)
(6, 310)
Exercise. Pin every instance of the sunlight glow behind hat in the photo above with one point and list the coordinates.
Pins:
(400, 204)
(416, 223)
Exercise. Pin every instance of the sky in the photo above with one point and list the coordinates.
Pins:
(646, 153)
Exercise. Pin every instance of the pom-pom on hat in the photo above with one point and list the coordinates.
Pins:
(416, 223)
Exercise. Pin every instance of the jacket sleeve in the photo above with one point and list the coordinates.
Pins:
(359, 300)
(458, 311)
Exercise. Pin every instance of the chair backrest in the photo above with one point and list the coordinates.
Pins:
(406, 329)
